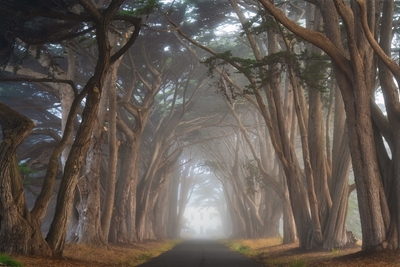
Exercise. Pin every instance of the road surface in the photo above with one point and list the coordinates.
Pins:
(201, 253)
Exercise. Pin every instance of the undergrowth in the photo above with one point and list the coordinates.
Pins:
(8, 261)
(121, 255)
(297, 263)
(241, 249)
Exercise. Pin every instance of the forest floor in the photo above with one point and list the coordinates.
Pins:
(273, 254)
(115, 256)
(268, 251)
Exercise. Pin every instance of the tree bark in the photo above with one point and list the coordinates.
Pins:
(335, 230)
(57, 234)
(18, 232)
(354, 79)
(58, 229)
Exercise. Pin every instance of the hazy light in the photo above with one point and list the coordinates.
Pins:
(226, 29)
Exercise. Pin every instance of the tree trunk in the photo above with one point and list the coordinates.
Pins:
(318, 158)
(335, 231)
(308, 226)
(123, 216)
(272, 214)
(159, 214)
(18, 232)
(389, 169)
(289, 225)
(58, 229)
(173, 221)
(89, 226)
(354, 77)
(66, 98)
(113, 145)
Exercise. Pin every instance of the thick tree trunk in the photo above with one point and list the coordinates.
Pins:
(159, 215)
(89, 226)
(335, 230)
(19, 233)
(371, 198)
(125, 196)
(355, 82)
(58, 229)
(389, 168)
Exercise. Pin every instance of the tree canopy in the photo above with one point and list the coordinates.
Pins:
(130, 110)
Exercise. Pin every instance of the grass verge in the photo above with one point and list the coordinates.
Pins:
(8, 261)
(121, 255)
(251, 247)
(272, 253)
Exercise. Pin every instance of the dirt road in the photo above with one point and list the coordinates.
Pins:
(201, 253)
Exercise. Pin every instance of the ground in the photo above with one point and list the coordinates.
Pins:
(272, 254)
(267, 251)
(285, 255)
(115, 256)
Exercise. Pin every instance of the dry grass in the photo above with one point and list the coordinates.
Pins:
(255, 244)
(272, 253)
(116, 256)
(268, 251)
(252, 247)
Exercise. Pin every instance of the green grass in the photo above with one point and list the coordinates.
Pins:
(144, 257)
(242, 249)
(8, 261)
(336, 251)
(297, 263)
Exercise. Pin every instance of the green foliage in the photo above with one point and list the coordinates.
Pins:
(144, 257)
(297, 263)
(262, 23)
(241, 249)
(217, 60)
(226, 89)
(24, 169)
(144, 7)
(314, 69)
(8, 261)
(253, 176)
(336, 251)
